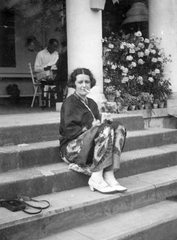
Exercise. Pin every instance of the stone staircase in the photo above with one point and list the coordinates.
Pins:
(30, 165)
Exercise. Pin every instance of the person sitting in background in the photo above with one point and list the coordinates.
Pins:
(46, 60)
(86, 144)
(45, 65)
(62, 73)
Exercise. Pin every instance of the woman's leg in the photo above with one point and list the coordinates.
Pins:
(108, 147)
(119, 141)
(102, 158)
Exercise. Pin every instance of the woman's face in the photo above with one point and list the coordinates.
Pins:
(83, 84)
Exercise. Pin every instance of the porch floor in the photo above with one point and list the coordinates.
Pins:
(20, 109)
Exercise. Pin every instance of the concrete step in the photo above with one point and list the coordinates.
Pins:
(150, 137)
(78, 206)
(154, 222)
(41, 153)
(28, 155)
(33, 128)
(56, 177)
(14, 135)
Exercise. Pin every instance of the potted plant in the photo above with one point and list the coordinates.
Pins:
(109, 108)
(147, 99)
(124, 100)
(110, 93)
(156, 102)
(133, 102)
(140, 101)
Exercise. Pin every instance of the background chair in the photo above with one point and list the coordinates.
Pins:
(36, 86)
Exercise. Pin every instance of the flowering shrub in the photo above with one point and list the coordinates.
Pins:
(134, 65)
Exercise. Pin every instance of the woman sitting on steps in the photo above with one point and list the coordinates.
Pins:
(86, 144)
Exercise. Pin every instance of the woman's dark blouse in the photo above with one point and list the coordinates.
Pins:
(76, 118)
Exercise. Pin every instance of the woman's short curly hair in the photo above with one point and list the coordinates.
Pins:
(77, 71)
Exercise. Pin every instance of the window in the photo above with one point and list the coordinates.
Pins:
(7, 39)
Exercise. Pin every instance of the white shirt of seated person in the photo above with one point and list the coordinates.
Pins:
(46, 57)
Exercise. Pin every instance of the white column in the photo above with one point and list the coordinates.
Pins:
(163, 23)
(84, 42)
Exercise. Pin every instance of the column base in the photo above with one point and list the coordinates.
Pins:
(97, 96)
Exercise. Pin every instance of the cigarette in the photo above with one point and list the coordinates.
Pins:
(86, 90)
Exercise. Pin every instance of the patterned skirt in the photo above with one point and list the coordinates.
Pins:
(96, 149)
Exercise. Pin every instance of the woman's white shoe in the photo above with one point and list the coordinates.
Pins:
(112, 182)
(115, 185)
(101, 187)
(119, 188)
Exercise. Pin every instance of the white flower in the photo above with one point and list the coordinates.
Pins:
(108, 62)
(153, 73)
(122, 45)
(154, 60)
(107, 49)
(129, 58)
(132, 50)
(125, 79)
(133, 64)
(111, 45)
(131, 77)
(142, 39)
(153, 51)
(124, 74)
(138, 34)
(140, 54)
(141, 45)
(146, 40)
(140, 61)
(125, 70)
(128, 45)
(118, 93)
(157, 71)
(140, 80)
(132, 45)
(147, 52)
(107, 80)
(150, 79)
(114, 66)
(160, 59)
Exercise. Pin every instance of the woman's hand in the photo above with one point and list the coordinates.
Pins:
(96, 123)
(106, 116)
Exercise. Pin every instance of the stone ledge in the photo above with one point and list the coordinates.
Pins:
(155, 113)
